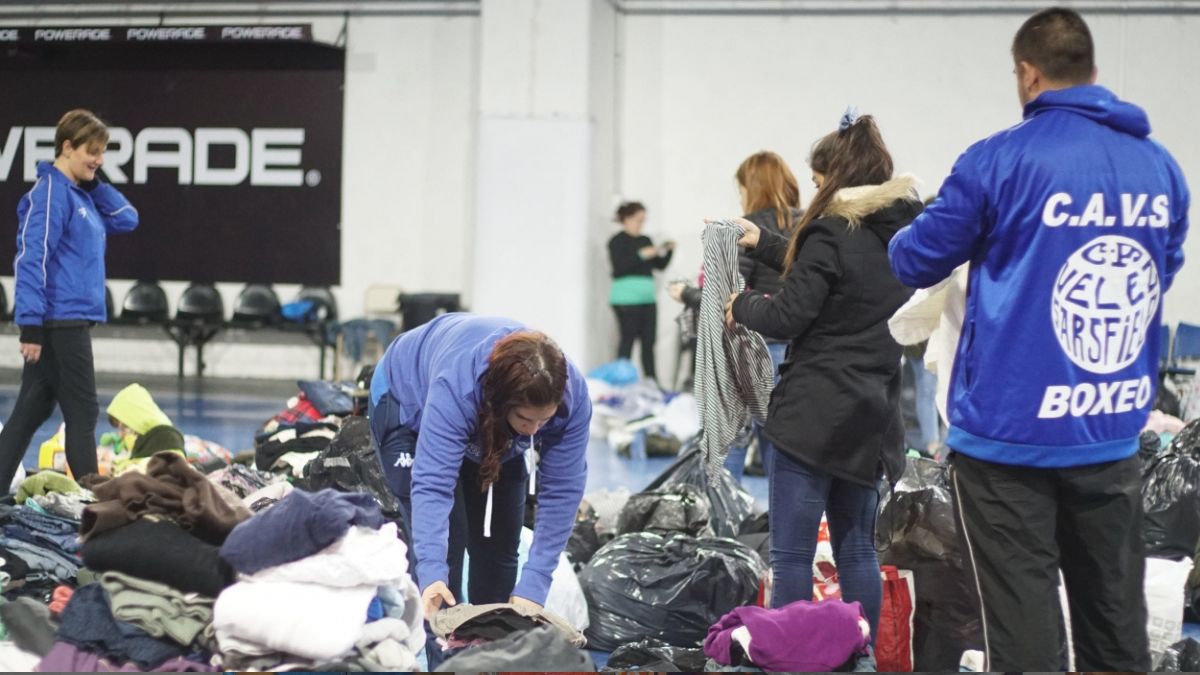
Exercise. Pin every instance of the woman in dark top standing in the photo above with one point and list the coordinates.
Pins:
(834, 417)
(770, 198)
(634, 258)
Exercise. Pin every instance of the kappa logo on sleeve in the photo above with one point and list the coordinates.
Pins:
(404, 461)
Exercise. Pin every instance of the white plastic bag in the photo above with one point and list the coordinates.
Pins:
(1165, 584)
(566, 595)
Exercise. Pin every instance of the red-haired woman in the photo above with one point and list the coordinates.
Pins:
(455, 405)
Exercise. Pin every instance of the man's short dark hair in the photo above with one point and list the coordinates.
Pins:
(1058, 42)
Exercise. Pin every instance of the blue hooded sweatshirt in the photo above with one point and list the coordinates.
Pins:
(1073, 222)
(61, 238)
(434, 375)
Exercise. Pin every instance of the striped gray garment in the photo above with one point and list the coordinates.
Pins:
(734, 373)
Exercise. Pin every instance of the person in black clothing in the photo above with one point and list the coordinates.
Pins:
(834, 417)
(771, 200)
(634, 258)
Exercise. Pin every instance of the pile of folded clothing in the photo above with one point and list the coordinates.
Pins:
(295, 437)
(334, 575)
(39, 535)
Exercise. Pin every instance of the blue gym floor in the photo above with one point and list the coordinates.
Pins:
(229, 412)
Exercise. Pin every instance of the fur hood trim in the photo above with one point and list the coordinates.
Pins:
(856, 203)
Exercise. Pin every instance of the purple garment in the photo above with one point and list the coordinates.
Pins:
(66, 658)
(300, 525)
(801, 637)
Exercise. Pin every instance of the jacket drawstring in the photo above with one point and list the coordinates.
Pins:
(531, 461)
(487, 514)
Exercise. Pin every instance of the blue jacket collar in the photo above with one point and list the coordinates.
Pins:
(1095, 103)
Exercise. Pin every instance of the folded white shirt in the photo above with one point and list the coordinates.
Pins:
(302, 619)
(364, 557)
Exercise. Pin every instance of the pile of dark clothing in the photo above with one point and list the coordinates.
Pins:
(507, 638)
(296, 436)
(134, 576)
(39, 542)
(168, 571)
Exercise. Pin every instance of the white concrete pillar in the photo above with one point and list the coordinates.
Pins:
(534, 247)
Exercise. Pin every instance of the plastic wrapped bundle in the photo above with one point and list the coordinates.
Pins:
(731, 503)
(656, 656)
(669, 588)
(1181, 657)
(1171, 497)
(678, 508)
(350, 464)
(917, 531)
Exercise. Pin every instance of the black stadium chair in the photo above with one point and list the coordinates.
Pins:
(199, 317)
(201, 304)
(145, 303)
(257, 306)
(4, 315)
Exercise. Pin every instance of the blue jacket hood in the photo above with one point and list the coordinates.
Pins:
(1095, 103)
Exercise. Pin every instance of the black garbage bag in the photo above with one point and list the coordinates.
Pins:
(731, 503)
(676, 508)
(585, 539)
(1181, 657)
(1171, 497)
(656, 656)
(670, 588)
(917, 531)
(350, 464)
(1149, 443)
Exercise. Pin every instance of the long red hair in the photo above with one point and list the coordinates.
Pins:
(526, 369)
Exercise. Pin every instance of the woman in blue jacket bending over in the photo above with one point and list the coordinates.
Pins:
(456, 405)
(62, 225)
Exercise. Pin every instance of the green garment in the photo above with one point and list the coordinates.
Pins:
(157, 608)
(135, 408)
(158, 439)
(632, 290)
(45, 482)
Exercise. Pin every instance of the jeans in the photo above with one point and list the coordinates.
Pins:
(736, 460)
(799, 495)
(64, 375)
(494, 574)
(925, 383)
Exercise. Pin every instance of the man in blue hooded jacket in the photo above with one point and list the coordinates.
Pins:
(1073, 222)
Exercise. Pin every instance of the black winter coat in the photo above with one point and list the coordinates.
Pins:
(760, 276)
(836, 408)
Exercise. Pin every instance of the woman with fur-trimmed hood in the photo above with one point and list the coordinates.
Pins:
(834, 417)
